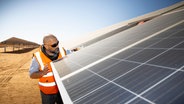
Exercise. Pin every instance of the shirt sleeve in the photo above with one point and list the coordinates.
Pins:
(34, 67)
(68, 52)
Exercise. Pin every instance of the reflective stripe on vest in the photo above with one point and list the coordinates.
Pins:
(47, 84)
(39, 60)
(63, 53)
(48, 74)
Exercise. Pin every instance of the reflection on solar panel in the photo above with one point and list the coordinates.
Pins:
(141, 65)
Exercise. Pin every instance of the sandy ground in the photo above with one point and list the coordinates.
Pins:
(16, 87)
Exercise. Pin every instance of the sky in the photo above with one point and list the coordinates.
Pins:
(68, 19)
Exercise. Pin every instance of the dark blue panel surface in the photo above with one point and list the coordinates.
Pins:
(145, 55)
(117, 70)
(139, 101)
(82, 83)
(171, 58)
(142, 78)
(169, 91)
(108, 94)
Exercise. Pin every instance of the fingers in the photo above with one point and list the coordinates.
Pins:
(45, 69)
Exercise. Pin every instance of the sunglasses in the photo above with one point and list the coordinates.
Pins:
(54, 45)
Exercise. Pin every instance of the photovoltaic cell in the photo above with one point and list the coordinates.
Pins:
(142, 78)
(140, 65)
(171, 58)
(85, 82)
(170, 91)
(107, 94)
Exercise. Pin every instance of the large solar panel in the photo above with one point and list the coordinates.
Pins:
(141, 65)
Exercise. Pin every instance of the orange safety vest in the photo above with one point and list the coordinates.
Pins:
(47, 82)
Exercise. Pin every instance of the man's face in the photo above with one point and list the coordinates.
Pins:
(52, 46)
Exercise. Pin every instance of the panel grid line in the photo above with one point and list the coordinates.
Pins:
(174, 69)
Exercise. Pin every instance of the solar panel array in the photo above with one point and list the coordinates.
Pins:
(141, 65)
(106, 35)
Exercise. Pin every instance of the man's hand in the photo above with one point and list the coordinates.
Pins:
(45, 70)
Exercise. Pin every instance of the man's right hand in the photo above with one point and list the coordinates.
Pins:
(45, 70)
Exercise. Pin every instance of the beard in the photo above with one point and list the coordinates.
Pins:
(56, 51)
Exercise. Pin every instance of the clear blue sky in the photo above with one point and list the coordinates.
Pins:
(69, 19)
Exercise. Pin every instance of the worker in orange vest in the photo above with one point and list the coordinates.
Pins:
(40, 68)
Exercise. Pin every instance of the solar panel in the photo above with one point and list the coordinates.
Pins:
(141, 65)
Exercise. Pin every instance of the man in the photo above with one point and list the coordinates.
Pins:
(40, 68)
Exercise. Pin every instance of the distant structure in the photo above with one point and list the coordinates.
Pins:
(17, 44)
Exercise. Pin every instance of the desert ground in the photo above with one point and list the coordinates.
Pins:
(16, 86)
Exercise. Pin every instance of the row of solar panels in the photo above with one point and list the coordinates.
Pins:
(141, 65)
